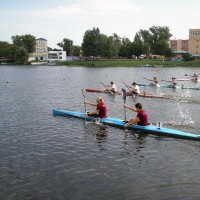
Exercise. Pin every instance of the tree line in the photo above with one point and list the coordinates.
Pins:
(152, 41)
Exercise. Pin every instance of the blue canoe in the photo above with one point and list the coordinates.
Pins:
(120, 124)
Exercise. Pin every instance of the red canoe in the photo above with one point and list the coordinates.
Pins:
(140, 95)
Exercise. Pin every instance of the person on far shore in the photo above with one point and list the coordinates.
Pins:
(141, 119)
(100, 110)
(113, 87)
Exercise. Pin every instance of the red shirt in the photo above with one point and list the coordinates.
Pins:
(101, 107)
(143, 118)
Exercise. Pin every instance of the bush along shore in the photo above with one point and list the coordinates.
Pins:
(131, 63)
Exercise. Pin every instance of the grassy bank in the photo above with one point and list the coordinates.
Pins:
(130, 63)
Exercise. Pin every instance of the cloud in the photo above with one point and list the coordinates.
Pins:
(86, 8)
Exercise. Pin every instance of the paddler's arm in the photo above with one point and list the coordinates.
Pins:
(89, 103)
(94, 112)
(132, 121)
(130, 108)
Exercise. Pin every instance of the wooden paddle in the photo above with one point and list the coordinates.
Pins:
(124, 98)
(126, 86)
(129, 89)
(106, 88)
(148, 79)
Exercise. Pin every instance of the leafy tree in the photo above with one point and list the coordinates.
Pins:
(186, 56)
(91, 42)
(117, 44)
(159, 37)
(113, 47)
(155, 40)
(3, 49)
(126, 48)
(146, 38)
(16, 54)
(169, 53)
(108, 46)
(26, 41)
(21, 55)
(103, 46)
(67, 45)
(76, 50)
(137, 47)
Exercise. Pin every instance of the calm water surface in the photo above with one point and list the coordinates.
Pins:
(47, 157)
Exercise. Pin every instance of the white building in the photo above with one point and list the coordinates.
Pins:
(40, 53)
(57, 55)
(41, 45)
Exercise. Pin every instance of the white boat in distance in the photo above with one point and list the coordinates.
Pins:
(39, 63)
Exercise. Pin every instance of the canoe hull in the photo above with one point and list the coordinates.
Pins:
(120, 124)
(119, 93)
(160, 85)
(190, 88)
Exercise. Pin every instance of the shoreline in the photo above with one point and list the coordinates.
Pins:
(131, 63)
(122, 63)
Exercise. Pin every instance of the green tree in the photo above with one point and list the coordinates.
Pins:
(21, 55)
(76, 50)
(91, 42)
(26, 41)
(159, 37)
(155, 40)
(67, 45)
(146, 38)
(3, 49)
(138, 47)
(126, 48)
(186, 56)
(108, 46)
(17, 54)
(103, 46)
(117, 44)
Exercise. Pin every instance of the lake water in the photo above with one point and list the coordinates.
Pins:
(48, 157)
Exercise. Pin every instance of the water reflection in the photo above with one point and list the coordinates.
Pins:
(134, 142)
(100, 131)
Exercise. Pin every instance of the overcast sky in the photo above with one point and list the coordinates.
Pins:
(58, 19)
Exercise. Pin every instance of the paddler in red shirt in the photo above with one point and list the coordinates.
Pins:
(141, 119)
(100, 108)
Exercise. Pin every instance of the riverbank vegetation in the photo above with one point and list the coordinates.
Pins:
(132, 63)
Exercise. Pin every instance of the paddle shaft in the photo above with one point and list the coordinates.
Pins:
(127, 86)
(124, 111)
(124, 98)
(84, 100)
(106, 87)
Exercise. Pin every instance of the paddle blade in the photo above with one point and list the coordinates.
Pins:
(124, 94)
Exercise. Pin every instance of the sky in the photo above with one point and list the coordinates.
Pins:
(55, 20)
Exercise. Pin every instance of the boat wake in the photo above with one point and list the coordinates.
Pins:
(184, 99)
